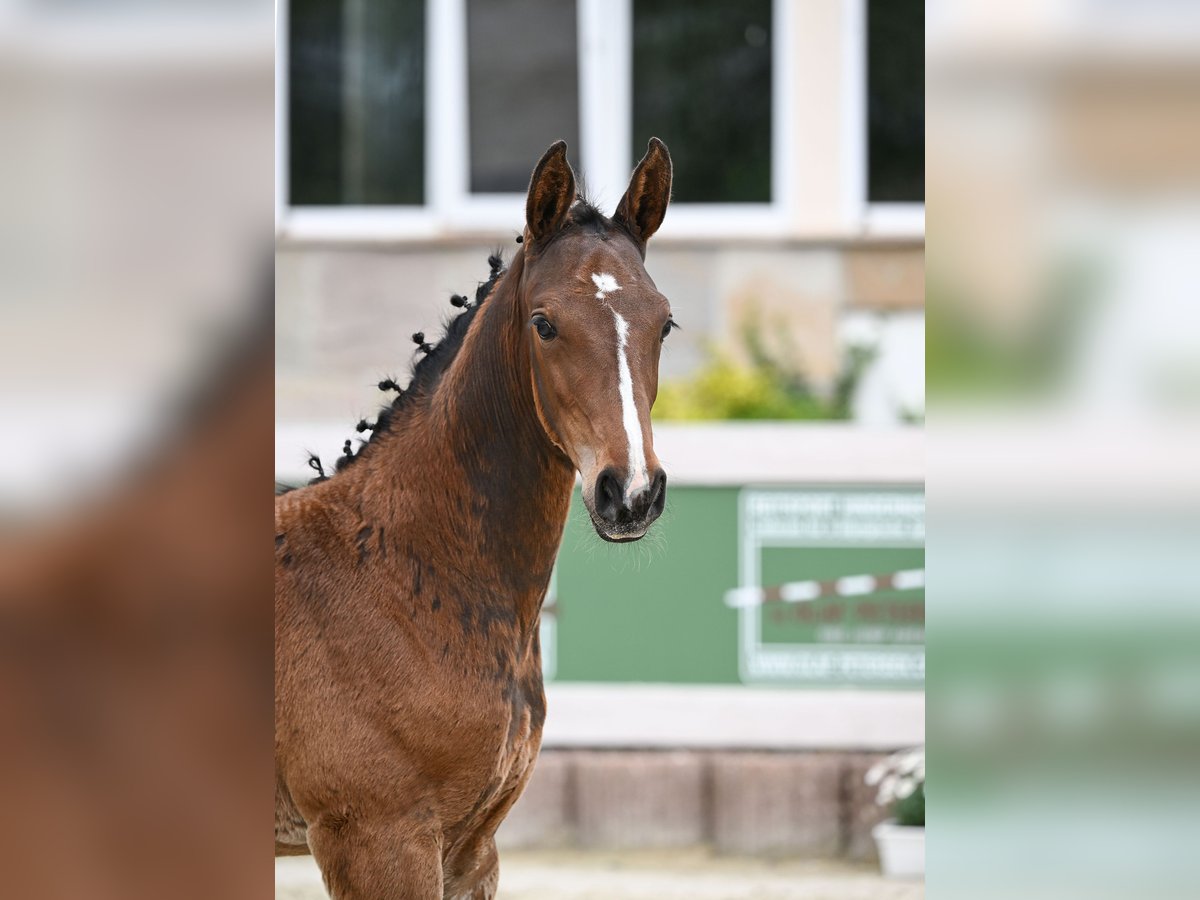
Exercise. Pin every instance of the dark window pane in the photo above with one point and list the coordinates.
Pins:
(702, 83)
(523, 87)
(896, 101)
(356, 102)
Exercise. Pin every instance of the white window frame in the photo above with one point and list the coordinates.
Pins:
(875, 219)
(741, 220)
(605, 124)
(359, 223)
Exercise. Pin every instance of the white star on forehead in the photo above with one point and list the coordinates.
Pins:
(605, 284)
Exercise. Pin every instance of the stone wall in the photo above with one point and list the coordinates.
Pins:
(784, 804)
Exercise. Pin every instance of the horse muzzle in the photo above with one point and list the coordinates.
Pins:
(621, 514)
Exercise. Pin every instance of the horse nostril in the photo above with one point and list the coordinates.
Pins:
(609, 496)
(658, 494)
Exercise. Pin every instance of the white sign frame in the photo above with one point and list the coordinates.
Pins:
(823, 517)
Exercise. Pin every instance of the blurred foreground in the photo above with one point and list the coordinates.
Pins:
(1064, 431)
(658, 875)
(136, 378)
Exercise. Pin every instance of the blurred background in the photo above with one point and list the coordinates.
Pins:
(1062, 288)
(683, 732)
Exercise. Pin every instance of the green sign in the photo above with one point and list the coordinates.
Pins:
(657, 611)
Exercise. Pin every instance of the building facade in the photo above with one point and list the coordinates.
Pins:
(407, 132)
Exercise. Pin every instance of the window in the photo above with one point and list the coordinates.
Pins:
(507, 132)
(356, 111)
(896, 101)
(883, 125)
(412, 118)
(703, 75)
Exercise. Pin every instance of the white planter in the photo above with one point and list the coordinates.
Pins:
(901, 849)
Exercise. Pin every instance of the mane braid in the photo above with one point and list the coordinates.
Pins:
(427, 371)
(314, 463)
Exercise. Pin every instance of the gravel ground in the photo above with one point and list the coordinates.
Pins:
(682, 875)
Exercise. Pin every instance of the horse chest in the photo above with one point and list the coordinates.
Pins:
(493, 728)
(493, 719)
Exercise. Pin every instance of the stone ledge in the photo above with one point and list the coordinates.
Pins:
(754, 803)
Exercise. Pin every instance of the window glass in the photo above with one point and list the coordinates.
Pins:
(702, 83)
(523, 88)
(896, 101)
(356, 102)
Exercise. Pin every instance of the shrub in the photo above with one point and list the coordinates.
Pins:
(770, 385)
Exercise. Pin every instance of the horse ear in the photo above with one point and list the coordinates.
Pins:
(642, 208)
(551, 192)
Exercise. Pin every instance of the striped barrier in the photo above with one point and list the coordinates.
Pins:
(807, 591)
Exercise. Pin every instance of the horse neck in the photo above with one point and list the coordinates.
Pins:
(487, 483)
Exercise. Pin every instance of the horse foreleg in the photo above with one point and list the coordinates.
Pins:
(377, 859)
(479, 880)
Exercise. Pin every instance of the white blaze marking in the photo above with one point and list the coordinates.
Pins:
(638, 477)
(605, 284)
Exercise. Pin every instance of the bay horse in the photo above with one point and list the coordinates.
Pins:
(408, 689)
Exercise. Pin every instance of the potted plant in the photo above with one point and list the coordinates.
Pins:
(900, 783)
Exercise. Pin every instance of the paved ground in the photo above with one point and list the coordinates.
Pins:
(685, 875)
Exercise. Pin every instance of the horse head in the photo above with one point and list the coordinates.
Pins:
(596, 323)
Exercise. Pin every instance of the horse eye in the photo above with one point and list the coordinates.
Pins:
(544, 329)
(671, 323)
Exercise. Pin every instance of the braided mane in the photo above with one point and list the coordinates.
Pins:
(435, 358)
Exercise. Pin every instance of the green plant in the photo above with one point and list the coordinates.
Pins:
(769, 385)
(910, 810)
